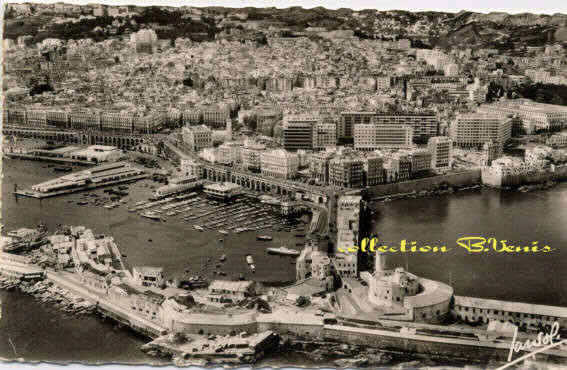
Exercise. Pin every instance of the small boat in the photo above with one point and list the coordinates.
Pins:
(221, 240)
(283, 251)
(222, 258)
(249, 259)
(253, 268)
(82, 203)
(197, 227)
(264, 237)
(151, 215)
(223, 232)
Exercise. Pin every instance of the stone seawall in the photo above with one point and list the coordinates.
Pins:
(412, 344)
(466, 178)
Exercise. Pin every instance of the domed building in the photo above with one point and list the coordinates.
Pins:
(402, 295)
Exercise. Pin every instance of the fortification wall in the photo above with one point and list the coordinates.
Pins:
(466, 178)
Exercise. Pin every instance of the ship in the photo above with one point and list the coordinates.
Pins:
(24, 239)
(283, 251)
(265, 238)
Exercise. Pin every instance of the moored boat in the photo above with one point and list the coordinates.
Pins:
(283, 251)
(264, 237)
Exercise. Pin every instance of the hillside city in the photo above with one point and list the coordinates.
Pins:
(317, 111)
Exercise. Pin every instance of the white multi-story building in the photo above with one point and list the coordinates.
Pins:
(370, 137)
(472, 130)
(424, 125)
(557, 140)
(441, 149)
(197, 137)
(534, 116)
(279, 163)
(210, 154)
(250, 154)
(229, 153)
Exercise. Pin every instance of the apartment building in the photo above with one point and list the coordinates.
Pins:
(368, 137)
(374, 170)
(345, 129)
(298, 131)
(534, 116)
(472, 130)
(319, 165)
(279, 164)
(197, 137)
(324, 135)
(441, 149)
(346, 172)
(424, 125)
(250, 155)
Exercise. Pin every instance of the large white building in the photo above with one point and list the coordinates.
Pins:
(250, 154)
(472, 130)
(197, 137)
(424, 125)
(229, 153)
(279, 163)
(534, 116)
(370, 137)
(441, 149)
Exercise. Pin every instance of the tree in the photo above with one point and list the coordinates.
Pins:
(302, 301)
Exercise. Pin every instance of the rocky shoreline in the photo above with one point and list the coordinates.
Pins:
(47, 292)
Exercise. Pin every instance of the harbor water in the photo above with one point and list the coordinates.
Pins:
(35, 330)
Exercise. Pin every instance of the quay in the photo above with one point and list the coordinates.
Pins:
(34, 157)
(104, 175)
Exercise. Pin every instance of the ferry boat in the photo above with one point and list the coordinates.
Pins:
(197, 227)
(283, 251)
(266, 238)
